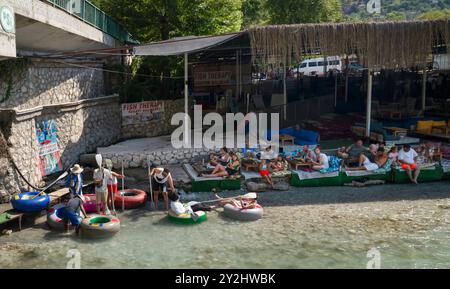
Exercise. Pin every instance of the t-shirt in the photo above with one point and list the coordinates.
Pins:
(177, 207)
(407, 157)
(393, 156)
(355, 151)
(102, 175)
(324, 161)
(73, 205)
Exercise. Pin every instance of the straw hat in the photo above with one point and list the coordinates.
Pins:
(77, 169)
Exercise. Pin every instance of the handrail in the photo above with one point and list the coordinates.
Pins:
(91, 14)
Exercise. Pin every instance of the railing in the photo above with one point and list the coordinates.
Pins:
(89, 13)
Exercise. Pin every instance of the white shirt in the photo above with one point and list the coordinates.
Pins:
(102, 175)
(177, 207)
(407, 157)
(324, 161)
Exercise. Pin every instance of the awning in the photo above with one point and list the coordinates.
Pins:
(181, 45)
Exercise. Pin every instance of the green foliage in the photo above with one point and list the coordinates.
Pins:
(9, 70)
(254, 13)
(435, 14)
(303, 11)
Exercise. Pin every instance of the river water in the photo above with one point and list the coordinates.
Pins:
(407, 226)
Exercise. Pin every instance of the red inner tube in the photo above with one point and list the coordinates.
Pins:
(132, 198)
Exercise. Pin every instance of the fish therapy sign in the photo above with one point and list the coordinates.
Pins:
(142, 112)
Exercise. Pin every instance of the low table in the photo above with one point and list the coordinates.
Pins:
(249, 164)
(397, 131)
(295, 164)
(15, 215)
(286, 138)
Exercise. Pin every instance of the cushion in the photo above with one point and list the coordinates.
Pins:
(439, 123)
(424, 125)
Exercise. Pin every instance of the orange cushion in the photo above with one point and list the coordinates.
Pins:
(424, 125)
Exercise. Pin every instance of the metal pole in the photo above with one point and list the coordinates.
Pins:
(424, 89)
(284, 89)
(150, 182)
(123, 189)
(369, 102)
(237, 75)
(186, 98)
(335, 89)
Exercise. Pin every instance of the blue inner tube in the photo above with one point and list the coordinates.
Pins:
(30, 202)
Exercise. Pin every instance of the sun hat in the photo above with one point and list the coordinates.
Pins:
(77, 169)
(250, 196)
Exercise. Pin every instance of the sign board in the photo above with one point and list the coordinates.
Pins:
(212, 78)
(142, 112)
(49, 155)
(7, 21)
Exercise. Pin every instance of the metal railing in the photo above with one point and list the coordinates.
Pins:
(89, 13)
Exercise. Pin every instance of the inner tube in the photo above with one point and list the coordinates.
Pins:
(99, 226)
(186, 218)
(237, 213)
(54, 217)
(91, 205)
(30, 202)
(132, 198)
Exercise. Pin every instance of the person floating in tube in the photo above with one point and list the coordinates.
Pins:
(101, 178)
(160, 178)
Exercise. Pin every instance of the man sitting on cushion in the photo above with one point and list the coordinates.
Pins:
(407, 158)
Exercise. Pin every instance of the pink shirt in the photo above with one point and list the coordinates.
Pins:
(393, 156)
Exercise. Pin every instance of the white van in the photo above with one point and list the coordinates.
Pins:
(316, 66)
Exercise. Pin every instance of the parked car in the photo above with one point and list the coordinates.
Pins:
(316, 66)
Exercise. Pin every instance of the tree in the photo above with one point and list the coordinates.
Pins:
(395, 16)
(154, 20)
(303, 11)
(254, 13)
(434, 15)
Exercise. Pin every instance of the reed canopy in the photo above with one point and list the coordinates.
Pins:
(378, 45)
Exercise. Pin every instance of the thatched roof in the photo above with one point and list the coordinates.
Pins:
(393, 44)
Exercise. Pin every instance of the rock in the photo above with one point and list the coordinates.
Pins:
(281, 186)
(256, 187)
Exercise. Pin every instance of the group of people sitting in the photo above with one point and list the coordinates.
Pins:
(376, 156)
(316, 158)
(228, 163)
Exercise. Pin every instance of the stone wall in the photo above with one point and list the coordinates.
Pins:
(155, 128)
(45, 83)
(69, 95)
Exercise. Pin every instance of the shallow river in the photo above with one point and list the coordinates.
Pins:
(300, 231)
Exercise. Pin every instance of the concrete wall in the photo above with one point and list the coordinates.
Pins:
(42, 27)
(155, 128)
(7, 44)
(73, 98)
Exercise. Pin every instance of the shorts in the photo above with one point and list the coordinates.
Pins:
(370, 166)
(101, 197)
(231, 171)
(158, 187)
(264, 173)
(410, 166)
(112, 188)
(67, 216)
